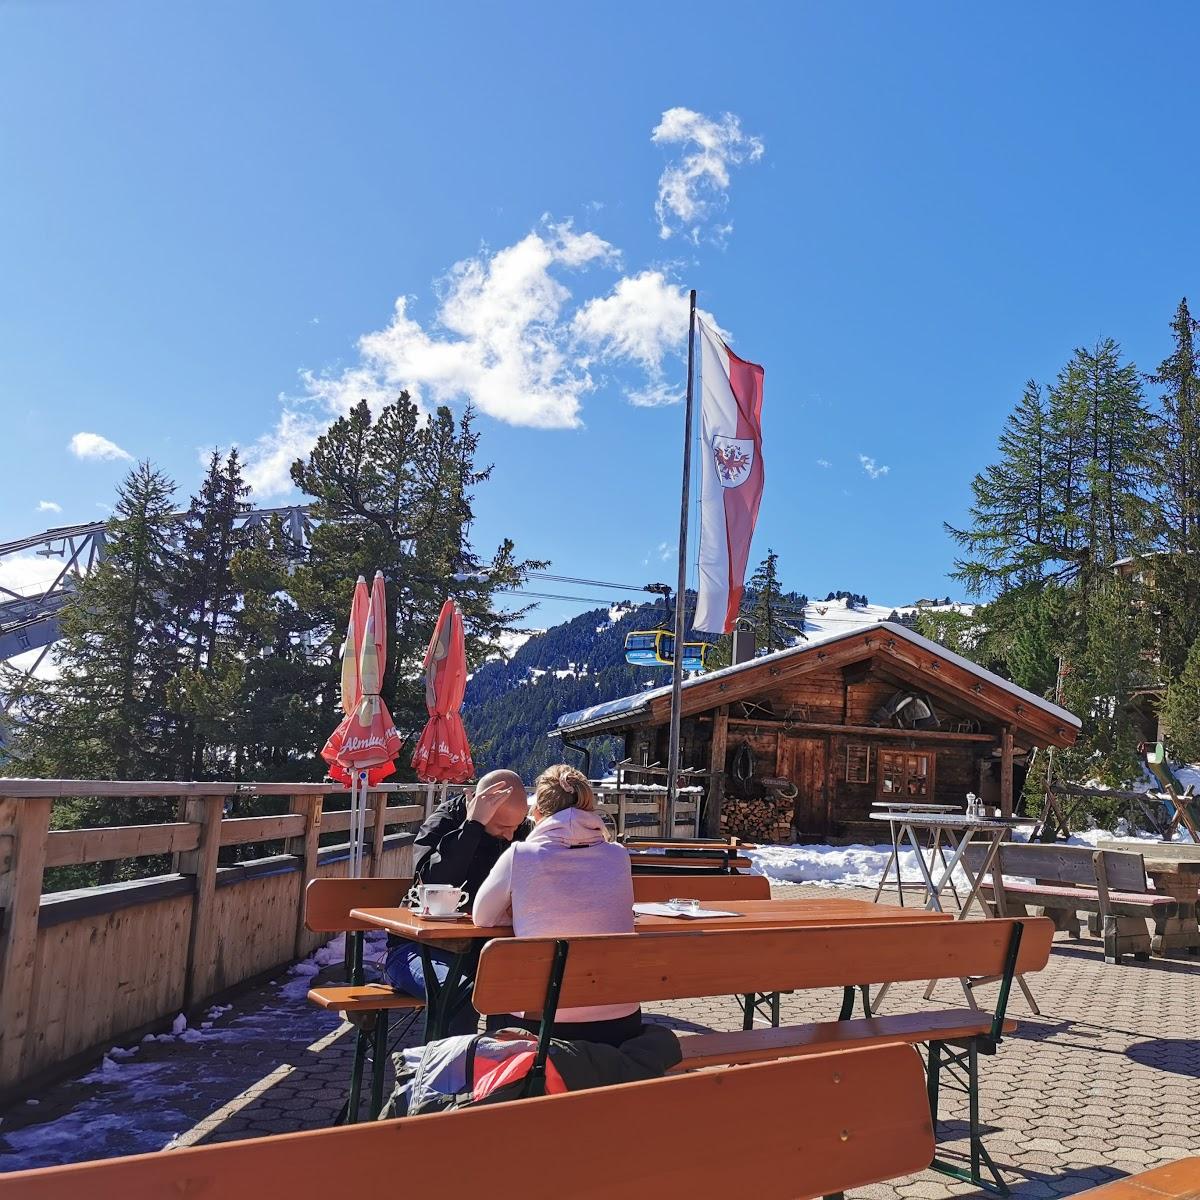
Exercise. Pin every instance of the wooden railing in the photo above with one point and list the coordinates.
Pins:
(80, 969)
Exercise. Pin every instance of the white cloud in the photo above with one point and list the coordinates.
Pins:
(27, 574)
(92, 445)
(868, 465)
(268, 463)
(643, 321)
(500, 341)
(665, 551)
(49, 506)
(824, 462)
(696, 185)
(640, 320)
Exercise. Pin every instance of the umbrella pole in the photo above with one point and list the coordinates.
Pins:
(358, 824)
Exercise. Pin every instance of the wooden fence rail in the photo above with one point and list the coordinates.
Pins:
(82, 969)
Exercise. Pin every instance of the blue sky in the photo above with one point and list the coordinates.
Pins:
(206, 208)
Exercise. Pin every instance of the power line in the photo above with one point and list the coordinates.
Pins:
(598, 583)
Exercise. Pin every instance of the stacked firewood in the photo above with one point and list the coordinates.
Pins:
(757, 819)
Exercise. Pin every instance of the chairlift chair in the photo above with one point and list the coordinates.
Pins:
(656, 648)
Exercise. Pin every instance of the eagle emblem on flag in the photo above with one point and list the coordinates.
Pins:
(734, 457)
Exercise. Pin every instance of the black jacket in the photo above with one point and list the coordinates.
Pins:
(451, 849)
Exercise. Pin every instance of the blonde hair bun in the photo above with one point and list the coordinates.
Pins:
(561, 787)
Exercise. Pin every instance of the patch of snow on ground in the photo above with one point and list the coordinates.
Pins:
(836, 866)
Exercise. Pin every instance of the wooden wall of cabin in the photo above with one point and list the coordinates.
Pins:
(827, 803)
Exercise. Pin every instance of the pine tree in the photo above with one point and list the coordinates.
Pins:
(776, 624)
(1181, 711)
(395, 493)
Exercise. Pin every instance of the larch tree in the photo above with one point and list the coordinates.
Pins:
(1174, 572)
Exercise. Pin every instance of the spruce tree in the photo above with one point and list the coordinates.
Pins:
(105, 715)
(1181, 710)
(204, 600)
(776, 625)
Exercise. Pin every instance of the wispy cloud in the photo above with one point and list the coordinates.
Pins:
(695, 186)
(94, 446)
(665, 551)
(824, 462)
(871, 467)
(49, 506)
(643, 321)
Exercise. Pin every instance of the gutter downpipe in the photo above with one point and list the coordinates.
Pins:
(583, 751)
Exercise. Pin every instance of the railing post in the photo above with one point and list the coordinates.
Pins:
(378, 804)
(305, 849)
(24, 825)
(203, 939)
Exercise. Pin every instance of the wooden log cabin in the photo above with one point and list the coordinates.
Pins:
(802, 742)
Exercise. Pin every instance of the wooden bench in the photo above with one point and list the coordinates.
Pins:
(327, 905)
(793, 1128)
(539, 975)
(713, 889)
(1174, 1181)
(1073, 879)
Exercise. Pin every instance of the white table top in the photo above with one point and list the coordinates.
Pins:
(938, 820)
(909, 806)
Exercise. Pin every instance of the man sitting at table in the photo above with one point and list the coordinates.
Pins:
(459, 844)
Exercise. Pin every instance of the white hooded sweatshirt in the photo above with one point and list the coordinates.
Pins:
(564, 879)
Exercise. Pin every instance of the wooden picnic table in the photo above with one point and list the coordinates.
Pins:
(463, 939)
(695, 861)
(1174, 870)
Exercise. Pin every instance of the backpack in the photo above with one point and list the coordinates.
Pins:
(489, 1068)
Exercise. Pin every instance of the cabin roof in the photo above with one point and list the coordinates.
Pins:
(628, 710)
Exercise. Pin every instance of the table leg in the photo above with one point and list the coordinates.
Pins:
(894, 857)
(936, 848)
(932, 891)
(443, 1000)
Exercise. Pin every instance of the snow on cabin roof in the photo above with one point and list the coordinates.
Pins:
(642, 700)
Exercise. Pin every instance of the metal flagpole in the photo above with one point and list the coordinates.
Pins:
(681, 587)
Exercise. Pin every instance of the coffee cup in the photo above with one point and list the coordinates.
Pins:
(438, 899)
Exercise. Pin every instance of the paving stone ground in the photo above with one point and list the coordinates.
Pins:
(1106, 1082)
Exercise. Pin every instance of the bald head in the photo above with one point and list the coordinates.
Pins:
(501, 803)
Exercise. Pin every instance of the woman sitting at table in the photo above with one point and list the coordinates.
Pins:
(565, 878)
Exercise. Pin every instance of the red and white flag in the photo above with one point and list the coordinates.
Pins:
(731, 478)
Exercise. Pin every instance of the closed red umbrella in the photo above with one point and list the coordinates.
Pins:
(362, 749)
(442, 754)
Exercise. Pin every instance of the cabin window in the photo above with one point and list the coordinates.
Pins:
(858, 763)
(906, 774)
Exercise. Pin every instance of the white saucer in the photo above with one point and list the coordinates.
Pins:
(449, 917)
